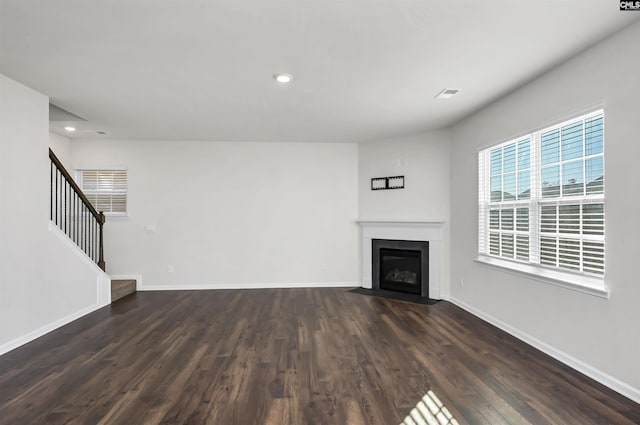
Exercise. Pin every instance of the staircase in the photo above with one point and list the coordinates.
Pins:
(73, 213)
(120, 288)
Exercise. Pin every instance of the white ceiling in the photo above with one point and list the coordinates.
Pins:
(363, 69)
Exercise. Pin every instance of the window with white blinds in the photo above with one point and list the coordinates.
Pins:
(105, 189)
(541, 198)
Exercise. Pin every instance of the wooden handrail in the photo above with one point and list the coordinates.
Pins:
(69, 214)
(73, 184)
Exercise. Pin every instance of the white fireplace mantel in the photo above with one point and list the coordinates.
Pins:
(405, 230)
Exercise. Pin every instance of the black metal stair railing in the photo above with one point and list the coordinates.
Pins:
(72, 212)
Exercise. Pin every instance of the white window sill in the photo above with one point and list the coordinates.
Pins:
(580, 283)
(116, 217)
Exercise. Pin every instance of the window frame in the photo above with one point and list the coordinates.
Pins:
(580, 280)
(88, 192)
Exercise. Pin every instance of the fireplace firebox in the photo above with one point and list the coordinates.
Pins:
(401, 266)
(400, 270)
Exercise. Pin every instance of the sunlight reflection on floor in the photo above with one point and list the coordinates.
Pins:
(430, 411)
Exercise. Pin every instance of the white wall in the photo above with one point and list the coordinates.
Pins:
(423, 160)
(232, 214)
(600, 337)
(61, 146)
(44, 282)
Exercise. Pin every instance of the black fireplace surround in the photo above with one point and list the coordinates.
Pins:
(401, 266)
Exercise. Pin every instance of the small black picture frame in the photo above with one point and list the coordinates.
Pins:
(385, 183)
(395, 182)
(379, 183)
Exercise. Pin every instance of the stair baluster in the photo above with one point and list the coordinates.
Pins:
(72, 212)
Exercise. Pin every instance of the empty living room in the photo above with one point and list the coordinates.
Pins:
(327, 212)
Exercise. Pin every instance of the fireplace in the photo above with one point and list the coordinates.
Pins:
(432, 230)
(400, 270)
(401, 266)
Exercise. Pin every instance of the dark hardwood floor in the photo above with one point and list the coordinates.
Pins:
(292, 356)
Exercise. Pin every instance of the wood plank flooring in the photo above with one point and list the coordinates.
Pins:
(292, 356)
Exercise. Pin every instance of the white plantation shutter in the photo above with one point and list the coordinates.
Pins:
(105, 189)
(541, 197)
(505, 195)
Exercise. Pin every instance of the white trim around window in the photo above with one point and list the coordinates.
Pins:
(106, 189)
(581, 283)
(541, 200)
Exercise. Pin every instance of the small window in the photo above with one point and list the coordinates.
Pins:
(105, 189)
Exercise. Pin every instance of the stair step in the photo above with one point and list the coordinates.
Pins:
(121, 288)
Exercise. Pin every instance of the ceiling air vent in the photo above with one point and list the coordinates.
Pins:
(446, 93)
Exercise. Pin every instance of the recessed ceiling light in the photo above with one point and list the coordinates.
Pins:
(69, 128)
(283, 78)
(446, 93)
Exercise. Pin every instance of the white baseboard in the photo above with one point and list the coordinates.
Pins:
(595, 374)
(191, 287)
(11, 345)
(103, 295)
